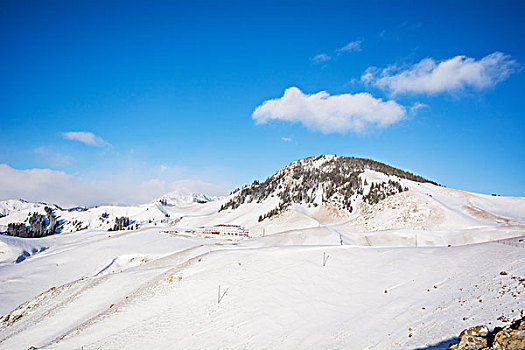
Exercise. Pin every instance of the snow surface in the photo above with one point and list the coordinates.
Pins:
(12, 205)
(409, 272)
(149, 289)
(424, 207)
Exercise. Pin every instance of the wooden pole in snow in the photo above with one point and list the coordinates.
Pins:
(325, 258)
(219, 296)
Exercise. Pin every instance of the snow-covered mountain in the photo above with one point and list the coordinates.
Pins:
(343, 194)
(331, 181)
(183, 197)
(351, 195)
(12, 205)
(344, 253)
(166, 209)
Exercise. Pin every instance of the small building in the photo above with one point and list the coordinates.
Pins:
(225, 230)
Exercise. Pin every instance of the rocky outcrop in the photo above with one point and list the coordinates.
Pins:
(508, 338)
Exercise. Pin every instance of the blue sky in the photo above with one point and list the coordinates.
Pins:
(166, 91)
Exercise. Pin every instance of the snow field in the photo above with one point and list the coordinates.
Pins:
(282, 297)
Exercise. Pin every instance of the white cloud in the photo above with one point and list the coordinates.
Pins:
(286, 139)
(85, 137)
(368, 76)
(58, 187)
(321, 58)
(432, 77)
(353, 46)
(417, 106)
(330, 114)
(56, 159)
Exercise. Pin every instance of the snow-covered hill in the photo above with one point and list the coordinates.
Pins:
(166, 209)
(183, 197)
(344, 253)
(351, 195)
(348, 195)
(13, 205)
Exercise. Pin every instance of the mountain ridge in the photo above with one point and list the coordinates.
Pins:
(354, 194)
(335, 179)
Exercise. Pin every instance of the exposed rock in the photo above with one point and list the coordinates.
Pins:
(472, 343)
(510, 339)
(476, 338)
(478, 331)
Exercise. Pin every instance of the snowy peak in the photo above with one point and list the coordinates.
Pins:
(342, 182)
(161, 211)
(12, 205)
(183, 197)
(333, 163)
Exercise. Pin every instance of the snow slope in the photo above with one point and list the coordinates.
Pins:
(425, 206)
(409, 271)
(275, 296)
(12, 205)
(103, 217)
